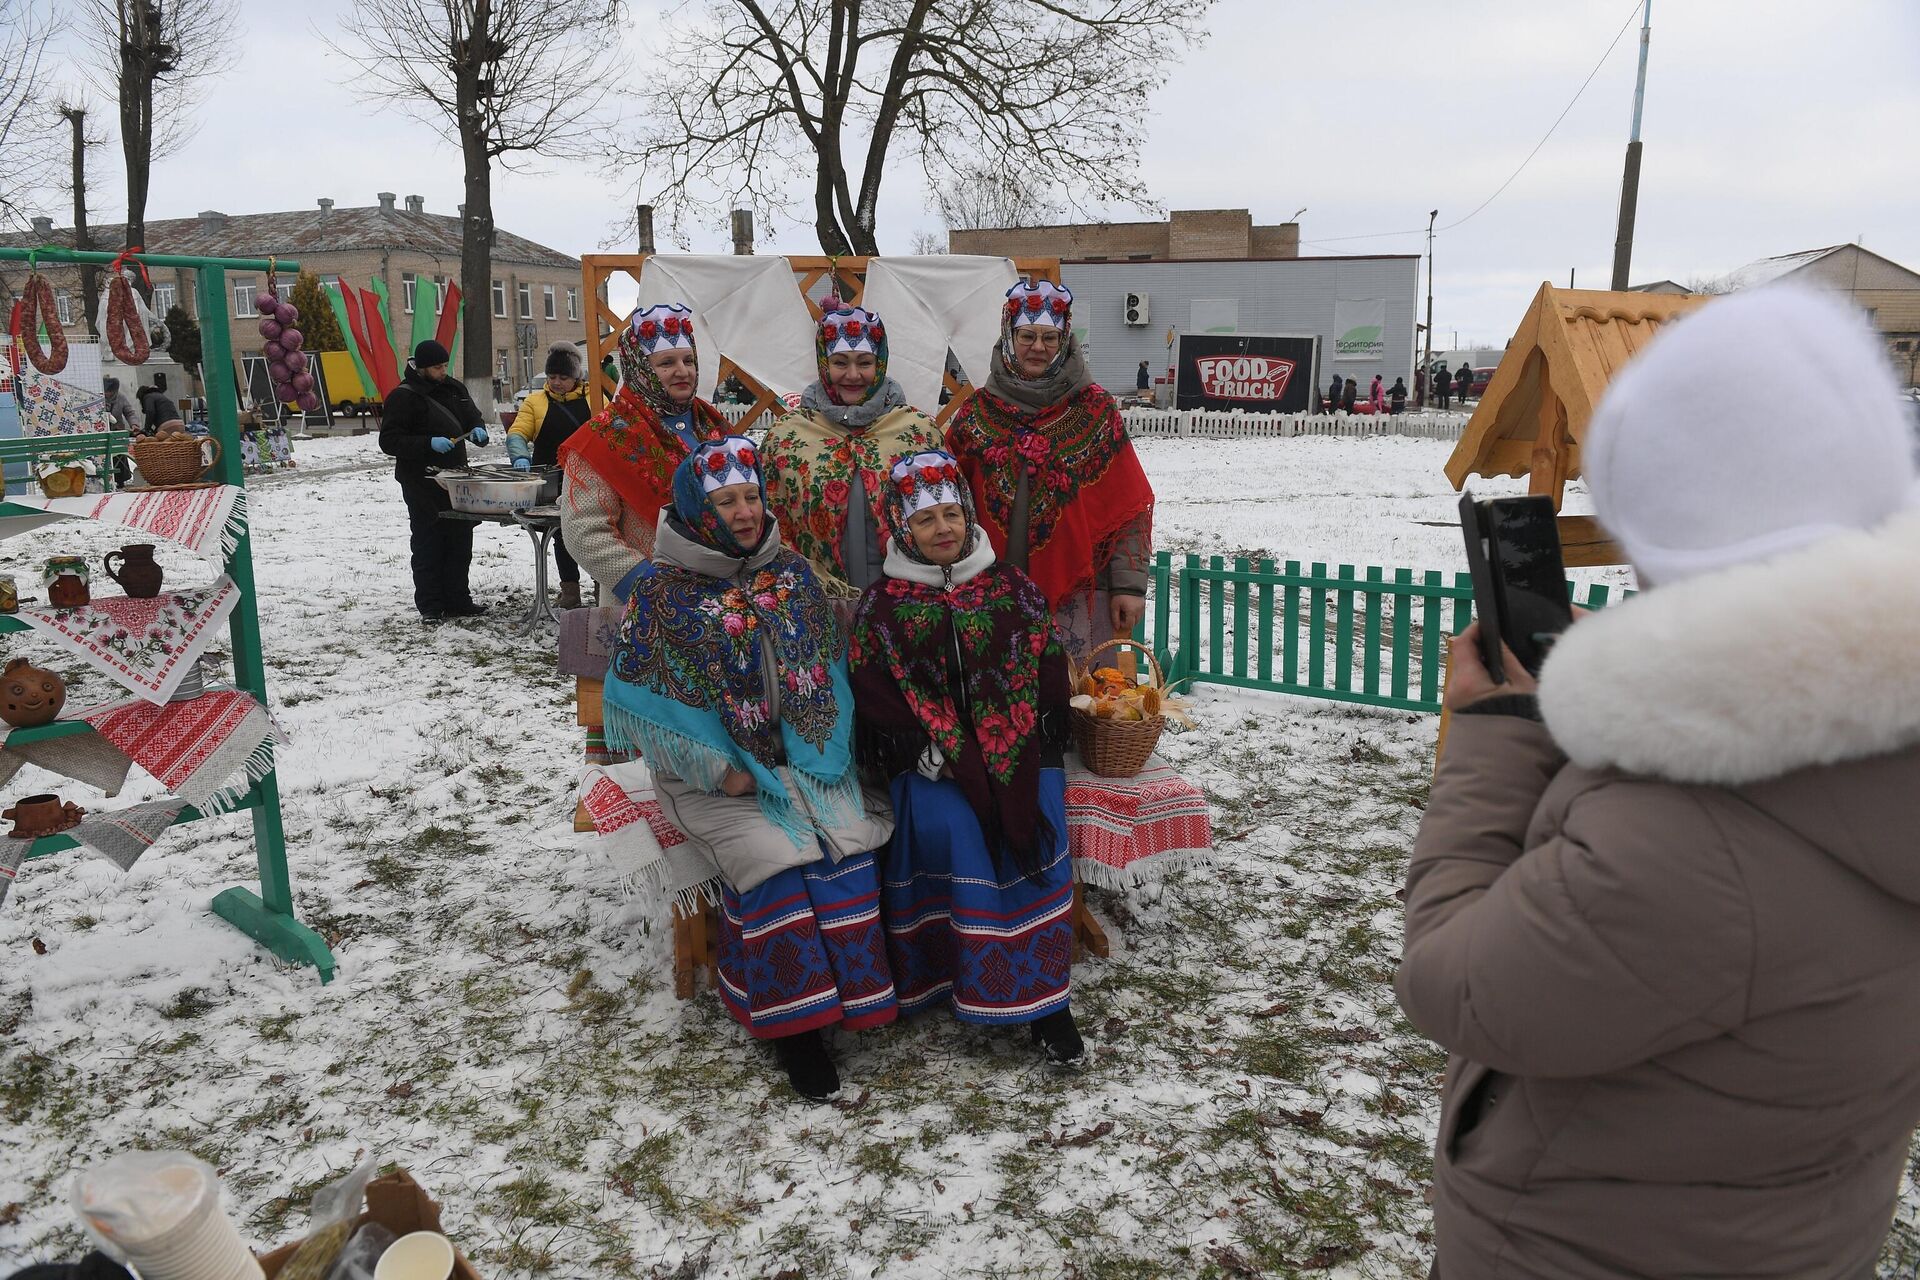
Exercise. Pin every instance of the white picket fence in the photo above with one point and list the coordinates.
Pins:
(1232, 424)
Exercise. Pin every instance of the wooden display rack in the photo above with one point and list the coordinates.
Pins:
(266, 916)
(849, 276)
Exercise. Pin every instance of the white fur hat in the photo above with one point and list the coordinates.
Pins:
(1762, 422)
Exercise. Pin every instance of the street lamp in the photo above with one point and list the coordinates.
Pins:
(1426, 360)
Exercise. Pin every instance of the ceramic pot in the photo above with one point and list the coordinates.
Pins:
(44, 815)
(139, 575)
(29, 696)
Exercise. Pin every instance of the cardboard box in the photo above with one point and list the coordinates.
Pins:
(399, 1204)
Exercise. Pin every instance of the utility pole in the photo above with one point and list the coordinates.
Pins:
(1630, 180)
(1426, 360)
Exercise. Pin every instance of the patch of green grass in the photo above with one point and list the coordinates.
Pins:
(641, 1174)
(1277, 1052)
(881, 1159)
(191, 1002)
(278, 1027)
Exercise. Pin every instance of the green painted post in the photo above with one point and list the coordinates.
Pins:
(1430, 640)
(1216, 657)
(1266, 625)
(1343, 632)
(1370, 679)
(1597, 596)
(1317, 629)
(1290, 638)
(1463, 605)
(269, 917)
(1162, 607)
(1185, 662)
(1402, 630)
(1241, 590)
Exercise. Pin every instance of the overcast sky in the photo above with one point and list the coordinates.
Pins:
(1771, 126)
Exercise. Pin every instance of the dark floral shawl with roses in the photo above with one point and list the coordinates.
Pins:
(1085, 489)
(809, 464)
(978, 670)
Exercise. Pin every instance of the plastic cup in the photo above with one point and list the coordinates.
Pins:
(419, 1255)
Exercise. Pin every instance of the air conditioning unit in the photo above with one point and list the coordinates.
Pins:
(1136, 308)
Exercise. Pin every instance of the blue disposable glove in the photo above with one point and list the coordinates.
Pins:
(523, 464)
(478, 435)
(440, 444)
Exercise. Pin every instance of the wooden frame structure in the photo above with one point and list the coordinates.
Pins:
(848, 274)
(1534, 416)
(267, 916)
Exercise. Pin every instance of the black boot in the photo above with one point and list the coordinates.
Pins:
(1056, 1034)
(809, 1068)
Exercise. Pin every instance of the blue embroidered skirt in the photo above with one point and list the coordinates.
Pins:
(805, 949)
(998, 951)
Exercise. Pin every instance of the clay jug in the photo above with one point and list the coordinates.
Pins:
(138, 574)
(29, 696)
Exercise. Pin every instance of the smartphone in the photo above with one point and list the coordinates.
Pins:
(1519, 580)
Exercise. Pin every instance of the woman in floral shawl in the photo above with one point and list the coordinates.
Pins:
(619, 466)
(961, 686)
(827, 461)
(729, 679)
(1054, 477)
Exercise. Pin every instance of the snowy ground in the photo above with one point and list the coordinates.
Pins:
(501, 1023)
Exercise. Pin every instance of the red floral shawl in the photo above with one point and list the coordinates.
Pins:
(1086, 488)
(630, 447)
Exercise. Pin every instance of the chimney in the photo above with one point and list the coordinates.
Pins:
(742, 231)
(212, 220)
(386, 201)
(43, 226)
(416, 204)
(462, 210)
(326, 206)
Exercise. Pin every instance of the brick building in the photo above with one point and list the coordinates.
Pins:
(1887, 291)
(535, 298)
(1186, 234)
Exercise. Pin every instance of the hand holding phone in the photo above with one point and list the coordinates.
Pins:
(1519, 579)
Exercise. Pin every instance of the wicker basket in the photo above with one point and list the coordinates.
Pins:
(1118, 748)
(165, 462)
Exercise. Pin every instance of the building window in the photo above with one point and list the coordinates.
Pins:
(526, 301)
(63, 306)
(407, 283)
(439, 294)
(165, 298)
(243, 300)
(503, 360)
(1139, 257)
(546, 297)
(500, 299)
(573, 303)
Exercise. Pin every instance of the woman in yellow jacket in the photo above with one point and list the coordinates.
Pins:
(546, 418)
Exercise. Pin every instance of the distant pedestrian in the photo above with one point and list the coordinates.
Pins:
(1442, 385)
(1463, 383)
(1142, 380)
(1377, 395)
(1397, 396)
(1419, 388)
(1349, 394)
(1333, 393)
(429, 417)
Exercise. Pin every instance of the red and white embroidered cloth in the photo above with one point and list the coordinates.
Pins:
(206, 751)
(636, 836)
(1126, 832)
(150, 645)
(207, 522)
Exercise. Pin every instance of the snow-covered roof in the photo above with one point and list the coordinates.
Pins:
(1767, 270)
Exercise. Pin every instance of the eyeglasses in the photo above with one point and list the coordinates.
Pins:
(1036, 337)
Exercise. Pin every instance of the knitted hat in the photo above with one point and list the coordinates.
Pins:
(1762, 422)
(714, 466)
(1038, 302)
(563, 361)
(428, 354)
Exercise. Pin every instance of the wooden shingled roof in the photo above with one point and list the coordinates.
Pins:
(1541, 397)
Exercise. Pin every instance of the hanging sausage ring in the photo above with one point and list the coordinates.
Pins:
(36, 309)
(126, 324)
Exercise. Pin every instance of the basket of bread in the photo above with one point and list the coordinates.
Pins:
(1117, 720)
(174, 456)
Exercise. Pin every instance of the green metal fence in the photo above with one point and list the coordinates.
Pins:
(1365, 635)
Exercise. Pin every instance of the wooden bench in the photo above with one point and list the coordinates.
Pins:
(27, 453)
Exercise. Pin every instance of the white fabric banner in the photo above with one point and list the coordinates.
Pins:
(931, 304)
(1360, 329)
(746, 308)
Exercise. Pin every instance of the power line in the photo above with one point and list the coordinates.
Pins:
(1633, 13)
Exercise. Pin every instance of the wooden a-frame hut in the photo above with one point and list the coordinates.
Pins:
(1542, 396)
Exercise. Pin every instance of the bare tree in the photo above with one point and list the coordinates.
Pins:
(995, 193)
(505, 80)
(1711, 284)
(74, 111)
(27, 28)
(925, 242)
(152, 60)
(758, 93)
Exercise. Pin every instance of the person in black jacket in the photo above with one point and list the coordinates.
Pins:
(1442, 384)
(428, 418)
(1463, 382)
(1348, 394)
(1397, 396)
(1333, 393)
